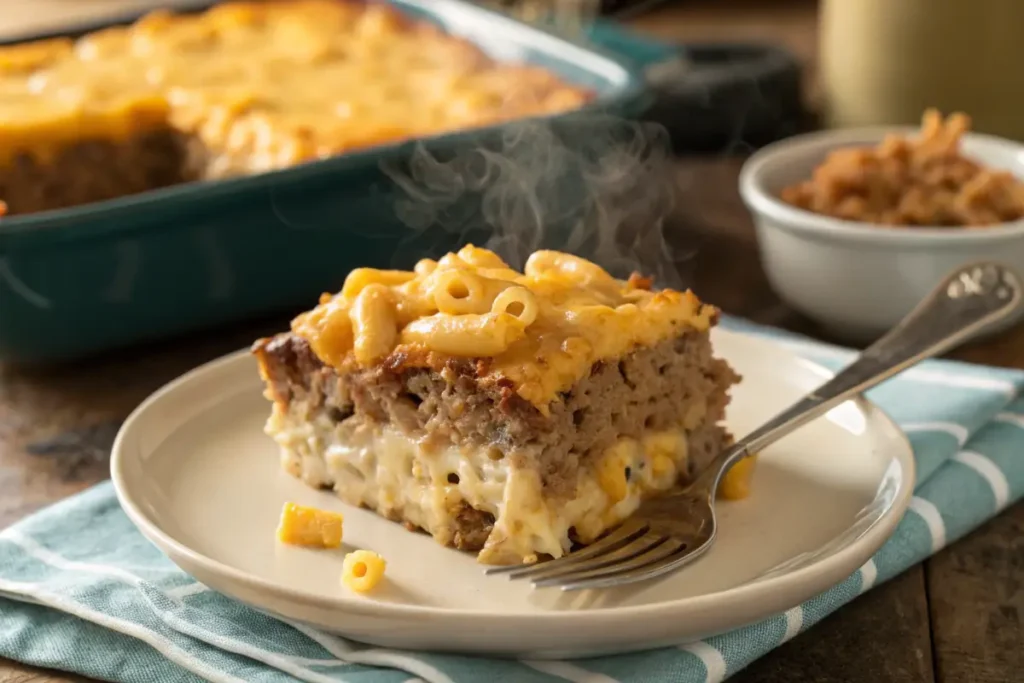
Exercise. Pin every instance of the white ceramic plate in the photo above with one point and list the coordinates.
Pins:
(196, 474)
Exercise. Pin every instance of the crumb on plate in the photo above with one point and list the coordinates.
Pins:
(362, 570)
(309, 527)
(735, 485)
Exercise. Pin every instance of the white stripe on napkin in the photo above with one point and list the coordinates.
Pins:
(188, 589)
(794, 622)
(293, 666)
(569, 672)
(868, 575)
(156, 641)
(713, 660)
(47, 556)
(957, 431)
(1012, 418)
(933, 518)
(373, 656)
(990, 472)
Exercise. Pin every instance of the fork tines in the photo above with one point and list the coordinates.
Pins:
(628, 554)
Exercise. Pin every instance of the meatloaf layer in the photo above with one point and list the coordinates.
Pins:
(479, 457)
(95, 170)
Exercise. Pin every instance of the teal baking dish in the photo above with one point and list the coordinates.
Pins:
(109, 274)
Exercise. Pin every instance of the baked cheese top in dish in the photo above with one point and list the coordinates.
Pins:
(263, 85)
(540, 331)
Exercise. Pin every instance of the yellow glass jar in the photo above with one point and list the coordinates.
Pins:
(886, 61)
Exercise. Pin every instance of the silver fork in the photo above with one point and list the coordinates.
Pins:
(670, 532)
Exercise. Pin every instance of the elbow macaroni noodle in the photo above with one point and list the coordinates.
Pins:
(465, 335)
(373, 323)
(516, 301)
(542, 329)
(362, 570)
(457, 292)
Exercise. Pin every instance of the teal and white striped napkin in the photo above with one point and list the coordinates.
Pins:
(85, 592)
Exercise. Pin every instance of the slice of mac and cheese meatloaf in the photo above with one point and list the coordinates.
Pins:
(608, 395)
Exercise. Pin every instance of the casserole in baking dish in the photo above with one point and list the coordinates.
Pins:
(241, 88)
(106, 274)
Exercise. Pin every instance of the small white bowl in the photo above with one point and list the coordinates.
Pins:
(859, 279)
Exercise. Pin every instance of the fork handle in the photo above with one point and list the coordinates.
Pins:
(968, 300)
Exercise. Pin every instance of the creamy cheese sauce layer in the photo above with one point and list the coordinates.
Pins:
(403, 479)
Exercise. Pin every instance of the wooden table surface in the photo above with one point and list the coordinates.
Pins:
(958, 617)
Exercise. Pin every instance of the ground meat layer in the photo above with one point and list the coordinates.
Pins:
(676, 384)
(94, 170)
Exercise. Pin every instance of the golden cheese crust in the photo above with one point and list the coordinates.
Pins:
(263, 85)
(537, 332)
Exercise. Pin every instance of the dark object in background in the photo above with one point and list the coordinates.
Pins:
(622, 9)
(712, 97)
(619, 9)
(727, 98)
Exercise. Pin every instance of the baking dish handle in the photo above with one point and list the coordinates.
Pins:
(712, 96)
(642, 51)
(691, 67)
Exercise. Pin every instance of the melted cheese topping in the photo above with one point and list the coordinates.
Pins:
(582, 315)
(403, 479)
(276, 82)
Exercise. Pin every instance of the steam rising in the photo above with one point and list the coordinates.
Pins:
(595, 186)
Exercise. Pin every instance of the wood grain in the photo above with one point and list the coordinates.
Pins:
(15, 672)
(56, 424)
(976, 600)
(881, 637)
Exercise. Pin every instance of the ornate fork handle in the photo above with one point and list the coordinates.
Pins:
(968, 300)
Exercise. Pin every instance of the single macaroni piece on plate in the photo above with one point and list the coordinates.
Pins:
(309, 527)
(511, 414)
(362, 570)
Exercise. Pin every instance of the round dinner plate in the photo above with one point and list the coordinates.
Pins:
(197, 475)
